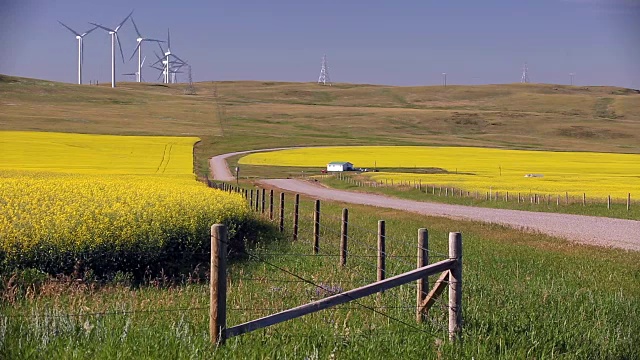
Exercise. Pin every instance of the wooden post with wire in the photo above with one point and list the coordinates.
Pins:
(422, 285)
(628, 201)
(344, 234)
(271, 204)
(251, 199)
(264, 200)
(455, 286)
(218, 285)
(381, 250)
(609, 202)
(296, 212)
(257, 200)
(316, 228)
(281, 212)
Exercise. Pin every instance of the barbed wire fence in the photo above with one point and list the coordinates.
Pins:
(319, 241)
(530, 197)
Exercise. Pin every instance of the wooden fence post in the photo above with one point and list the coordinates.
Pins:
(609, 202)
(271, 204)
(455, 286)
(566, 197)
(316, 228)
(251, 199)
(344, 234)
(281, 212)
(264, 199)
(381, 250)
(218, 285)
(628, 201)
(257, 200)
(422, 285)
(584, 199)
(296, 212)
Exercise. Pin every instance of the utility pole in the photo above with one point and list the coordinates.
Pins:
(571, 75)
(444, 79)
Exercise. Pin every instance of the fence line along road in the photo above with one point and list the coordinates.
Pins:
(590, 230)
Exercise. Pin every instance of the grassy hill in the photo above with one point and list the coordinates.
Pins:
(234, 115)
(526, 295)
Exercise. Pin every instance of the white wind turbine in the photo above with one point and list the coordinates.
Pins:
(167, 60)
(80, 38)
(139, 50)
(114, 38)
(137, 73)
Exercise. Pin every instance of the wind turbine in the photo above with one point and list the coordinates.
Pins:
(114, 38)
(167, 60)
(137, 73)
(139, 50)
(80, 38)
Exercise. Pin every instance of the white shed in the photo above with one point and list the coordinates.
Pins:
(339, 166)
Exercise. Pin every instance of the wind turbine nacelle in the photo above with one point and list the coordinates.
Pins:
(78, 37)
(139, 39)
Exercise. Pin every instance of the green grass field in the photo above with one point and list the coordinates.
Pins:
(525, 295)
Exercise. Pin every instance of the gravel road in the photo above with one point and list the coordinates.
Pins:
(592, 230)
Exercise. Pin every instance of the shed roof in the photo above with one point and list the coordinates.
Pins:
(340, 163)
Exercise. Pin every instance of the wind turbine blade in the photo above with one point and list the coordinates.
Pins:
(70, 29)
(135, 50)
(135, 27)
(157, 56)
(179, 58)
(159, 60)
(159, 76)
(123, 21)
(168, 40)
(161, 49)
(120, 46)
(153, 40)
(142, 63)
(102, 27)
(88, 31)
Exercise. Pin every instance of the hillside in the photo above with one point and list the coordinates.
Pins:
(251, 114)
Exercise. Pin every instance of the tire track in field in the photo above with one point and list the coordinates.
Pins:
(164, 151)
(168, 157)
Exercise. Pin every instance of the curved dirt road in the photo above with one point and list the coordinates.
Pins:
(591, 230)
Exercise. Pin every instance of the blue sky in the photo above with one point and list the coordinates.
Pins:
(402, 42)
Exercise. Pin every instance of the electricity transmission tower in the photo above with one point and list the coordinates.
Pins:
(324, 72)
(525, 74)
(190, 90)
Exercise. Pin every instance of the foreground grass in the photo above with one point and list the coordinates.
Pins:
(525, 296)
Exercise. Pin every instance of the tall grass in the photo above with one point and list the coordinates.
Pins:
(525, 296)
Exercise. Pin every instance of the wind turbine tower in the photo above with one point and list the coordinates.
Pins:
(324, 72)
(525, 74)
(138, 49)
(114, 39)
(80, 38)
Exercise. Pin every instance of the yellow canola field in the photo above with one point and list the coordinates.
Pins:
(480, 169)
(96, 154)
(85, 208)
